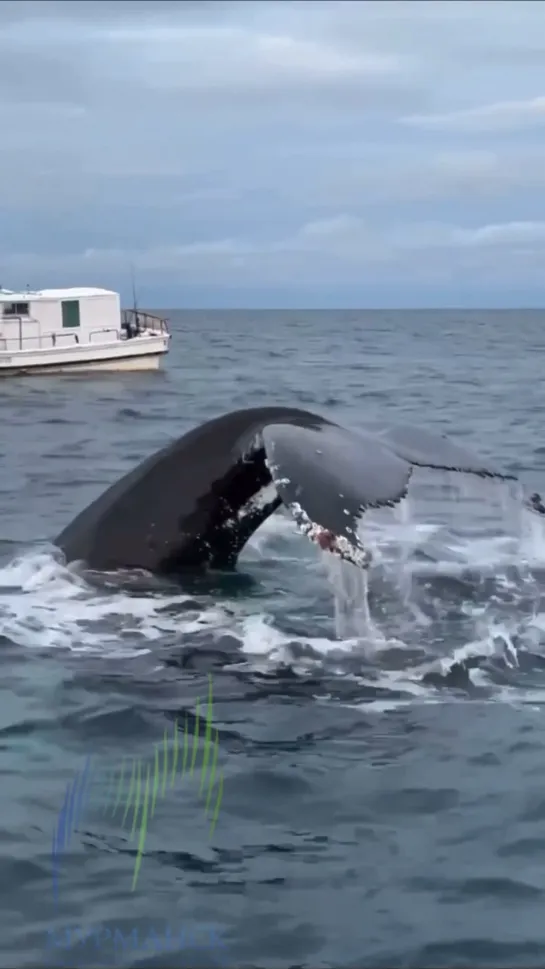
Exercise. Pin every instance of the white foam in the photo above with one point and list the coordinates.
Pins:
(44, 604)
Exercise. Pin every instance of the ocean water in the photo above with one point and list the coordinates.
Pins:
(377, 795)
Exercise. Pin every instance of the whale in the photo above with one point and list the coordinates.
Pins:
(196, 502)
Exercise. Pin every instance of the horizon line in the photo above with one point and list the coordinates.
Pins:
(343, 309)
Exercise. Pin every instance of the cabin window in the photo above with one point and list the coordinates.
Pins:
(15, 309)
(70, 312)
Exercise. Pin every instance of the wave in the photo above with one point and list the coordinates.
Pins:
(452, 608)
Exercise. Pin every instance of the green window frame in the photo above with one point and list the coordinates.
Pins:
(70, 312)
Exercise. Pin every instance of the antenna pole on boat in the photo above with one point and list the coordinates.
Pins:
(134, 300)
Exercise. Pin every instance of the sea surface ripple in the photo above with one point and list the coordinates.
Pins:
(376, 810)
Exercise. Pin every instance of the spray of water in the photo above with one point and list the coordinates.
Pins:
(457, 572)
(475, 523)
(350, 587)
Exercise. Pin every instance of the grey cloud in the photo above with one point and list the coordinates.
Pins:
(261, 144)
(14, 11)
(485, 118)
(357, 243)
(469, 175)
(60, 81)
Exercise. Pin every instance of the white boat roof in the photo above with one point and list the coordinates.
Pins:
(31, 296)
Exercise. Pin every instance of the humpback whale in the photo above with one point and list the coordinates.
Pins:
(196, 502)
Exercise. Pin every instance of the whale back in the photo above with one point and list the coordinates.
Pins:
(181, 507)
(197, 501)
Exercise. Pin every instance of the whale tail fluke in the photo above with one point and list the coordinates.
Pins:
(196, 502)
(328, 477)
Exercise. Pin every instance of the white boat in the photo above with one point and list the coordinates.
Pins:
(64, 330)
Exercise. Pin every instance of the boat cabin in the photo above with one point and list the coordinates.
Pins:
(58, 318)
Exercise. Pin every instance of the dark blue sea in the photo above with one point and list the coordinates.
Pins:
(378, 746)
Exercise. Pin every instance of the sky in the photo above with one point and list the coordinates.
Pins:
(353, 153)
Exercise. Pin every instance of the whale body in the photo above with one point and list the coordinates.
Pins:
(195, 503)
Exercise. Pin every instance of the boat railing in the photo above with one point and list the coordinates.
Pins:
(60, 340)
(38, 342)
(135, 321)
(117, 334)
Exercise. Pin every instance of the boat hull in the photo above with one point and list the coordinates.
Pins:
(131, 356)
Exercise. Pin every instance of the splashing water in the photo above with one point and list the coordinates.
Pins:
(350, 587)
(478, 534)
(458, 572)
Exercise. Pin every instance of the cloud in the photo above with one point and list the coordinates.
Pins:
(335, 249)
(273, 146)
(239, 69)
(428, 178)
(501, 116)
